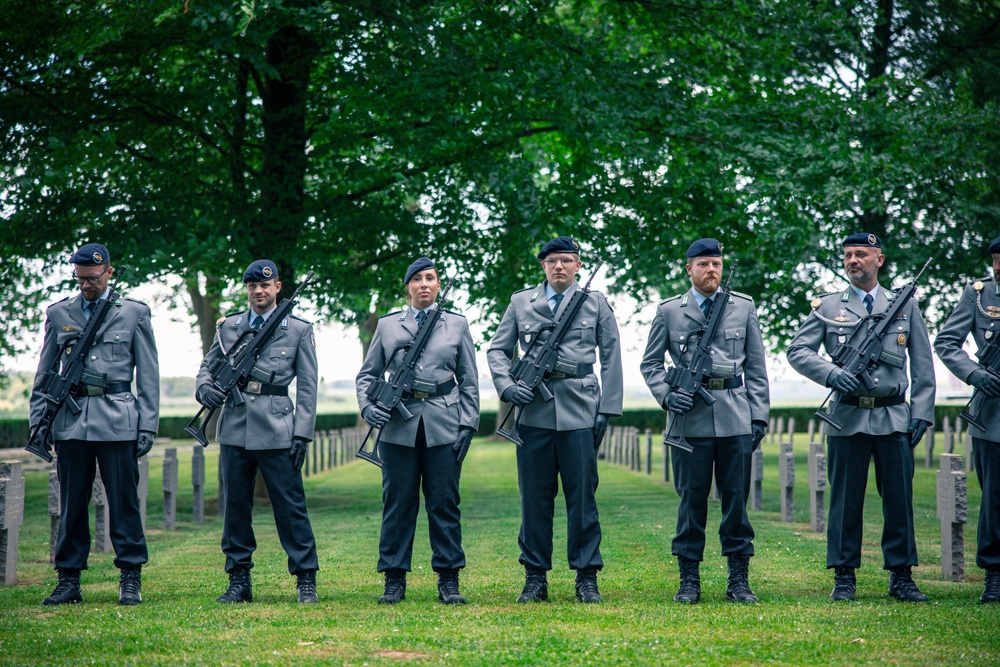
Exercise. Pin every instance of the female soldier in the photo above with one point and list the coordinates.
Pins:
(426, 450)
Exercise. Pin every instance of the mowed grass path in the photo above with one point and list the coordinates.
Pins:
(181, 624)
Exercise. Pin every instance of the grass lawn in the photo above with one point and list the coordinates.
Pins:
(795, 624)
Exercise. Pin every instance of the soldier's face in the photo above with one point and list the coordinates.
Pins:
(706, 274)
(263, 295)
(423, 288)
(862, 264)
(561, 269)
(996, 266)
(93, 280)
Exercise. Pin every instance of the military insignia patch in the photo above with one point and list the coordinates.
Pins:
(993, 309)
(98, 258)
(534, 297)
(978, 286)
(267, 271)
(989, 334)
(815, 303)
(901, 339)
(68, 328)
(842, 339)
(872, 240)
(842, 317)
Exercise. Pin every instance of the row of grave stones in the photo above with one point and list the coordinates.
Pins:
(329, 449)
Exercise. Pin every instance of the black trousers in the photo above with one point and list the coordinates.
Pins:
(76, 466)
(405, 472)
(546, 457)
(848, 458)
(987, 457)
(288, 502)
(730, 457)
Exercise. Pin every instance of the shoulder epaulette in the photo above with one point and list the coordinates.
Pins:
(128, 298)
(395, 312)
(300, 319)
(821, 296)
(235, 312)
(670, 299)
(452, 312)
(984, 279)
(526, 289)
(742, 295)
(65, 298)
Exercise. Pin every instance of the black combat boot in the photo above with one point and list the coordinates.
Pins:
(67, 590)
(130, 585)
(844, 584)
(902, 586)
(305, 581)
(738, 589)
(586, 587)
(448, 587)
(536, 586)
(689, 591)
(395, 587)
(240, 588)
(991, 591)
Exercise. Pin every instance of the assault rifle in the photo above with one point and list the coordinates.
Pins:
(536, 367)
(860, 361)
(989, 358)
(388, 394)
(59, 389)
(690, 380)
(232, 371)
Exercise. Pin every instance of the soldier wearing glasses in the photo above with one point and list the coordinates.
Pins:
(114, 428)
(560, 436)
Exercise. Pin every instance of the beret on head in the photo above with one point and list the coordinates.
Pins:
(704, 248)
(260, 271)
(421, 264)
(92, 254)
(559, 244)
(995, 246)
(863, 239)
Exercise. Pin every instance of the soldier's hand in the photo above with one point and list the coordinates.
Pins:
(143, 444)
(518, 395)
(375, 416)
(298, 452)
(917, 429)
(600, 428)
(758, 428)
(842, 381)
(679, 403)
(462, 442)
(210, 395)
(985, 382)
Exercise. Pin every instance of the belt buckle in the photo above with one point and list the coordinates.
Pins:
(558, 375)
(716, 383)
(91, 390)
(866, 402)
(421, 395)
(254, 387)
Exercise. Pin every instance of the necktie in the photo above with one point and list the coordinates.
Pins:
(258, 322)
(420, 317)
(869, 302)
(88, 308)
(706, 306)
(558, 299)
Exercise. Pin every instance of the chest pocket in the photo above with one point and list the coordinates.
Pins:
(682, 344)
(281, 358)
(530, 330)
(985, 333)
(585, 331)
(735, 341)
(116, 345)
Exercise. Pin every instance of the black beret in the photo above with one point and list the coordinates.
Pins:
(92, 254)
(995, 246)
(705, 248)
(421, 264)
(863, 239)
(559, 244)
(260, 271)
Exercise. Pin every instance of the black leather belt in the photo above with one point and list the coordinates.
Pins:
(564, 371)
(439, 389)
(872, 401)
(108, 388)
(722, 383)
(264, 389)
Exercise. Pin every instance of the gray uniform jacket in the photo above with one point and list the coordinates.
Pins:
(736, 349)
(977, 313)
(908, 338)
(124, 347)
(449, 354)
(576, 400)
(269, 422)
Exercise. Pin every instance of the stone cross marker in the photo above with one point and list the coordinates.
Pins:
(786, 480)
(102, 521)
(772, 427)
(817, 487)
(953, 512)
(757, 479)
(791, 430)
(11, 516)
(198, 484)
(811, 431)
(170, 474)
(143, 488)
(949, 437)
(55, 512)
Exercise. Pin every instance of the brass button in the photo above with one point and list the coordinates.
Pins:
(93, 358)
(253, 399)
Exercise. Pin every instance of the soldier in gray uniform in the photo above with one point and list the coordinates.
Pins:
(561, 435)
(114, 428)
(722, 436)
(876, 424)
(978, 313)
(426, 451)
(266, 433)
